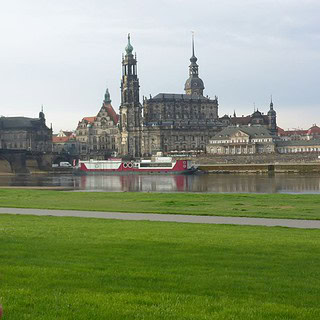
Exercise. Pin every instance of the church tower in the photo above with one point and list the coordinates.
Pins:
(130, 109)
(272, 117)
(194, 85)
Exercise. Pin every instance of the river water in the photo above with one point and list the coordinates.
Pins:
(212, 183)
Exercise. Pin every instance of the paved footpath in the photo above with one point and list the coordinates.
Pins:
(290, 223)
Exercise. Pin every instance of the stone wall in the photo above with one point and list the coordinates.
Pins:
(258, 158)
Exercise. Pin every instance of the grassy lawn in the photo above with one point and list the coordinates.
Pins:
(250, 205)
(71, 268)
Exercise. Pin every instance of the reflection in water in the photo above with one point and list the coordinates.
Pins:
(228, 183)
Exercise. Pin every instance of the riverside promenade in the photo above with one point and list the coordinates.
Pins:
(289, 223)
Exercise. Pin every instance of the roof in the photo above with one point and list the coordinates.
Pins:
(253, 131)
(293, 132)
(241, 120)
(314, 129)
(113, 115)
(56, 139)
(247, 119)
(89, 119)
(176, 96)
(19, 122)
(315, 142)
(68, 133)
(63, 133)
(301, 132)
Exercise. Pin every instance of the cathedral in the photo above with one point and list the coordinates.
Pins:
(166, 122)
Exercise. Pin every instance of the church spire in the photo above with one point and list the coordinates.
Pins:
(129, 47)
(193, 55)
(272, 117)
(194, 85)
(271, 104)
(193, 68)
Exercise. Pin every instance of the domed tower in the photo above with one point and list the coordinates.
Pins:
(194, 85)
(272, 117)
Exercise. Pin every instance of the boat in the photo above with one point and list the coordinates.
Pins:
(155, 165)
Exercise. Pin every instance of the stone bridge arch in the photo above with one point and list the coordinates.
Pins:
(5, 165)
(62, 157)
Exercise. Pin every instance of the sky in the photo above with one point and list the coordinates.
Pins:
(64, 54)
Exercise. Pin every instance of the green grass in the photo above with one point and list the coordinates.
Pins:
(250, 205)
(71, 268)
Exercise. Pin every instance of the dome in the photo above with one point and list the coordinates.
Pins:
(257, 114)
(129, 47)
(194, 83)
(271, 112)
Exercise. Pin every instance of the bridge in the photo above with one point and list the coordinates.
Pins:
(24, 161)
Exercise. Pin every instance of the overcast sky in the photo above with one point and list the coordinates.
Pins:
(63, 54)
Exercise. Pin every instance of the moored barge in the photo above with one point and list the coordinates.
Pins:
(156, 165)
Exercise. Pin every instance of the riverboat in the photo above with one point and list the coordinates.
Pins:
(156, 165)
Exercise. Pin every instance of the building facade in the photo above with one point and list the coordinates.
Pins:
(21, 133)
(99, 136)
(242, 140)
(65, 142)
(180, 122)
(299, 134)
(299, 146)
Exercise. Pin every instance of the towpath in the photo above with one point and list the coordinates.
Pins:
(290, 223)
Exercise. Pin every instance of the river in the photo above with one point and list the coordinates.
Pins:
(210, 183)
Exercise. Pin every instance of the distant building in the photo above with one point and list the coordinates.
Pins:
(21, 133)
(65, 141)
(98, 136)
(242, 140)
(269, 120)
(299, 134)
(167, 122)
(299, 146)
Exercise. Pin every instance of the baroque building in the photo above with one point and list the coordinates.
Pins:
(180, 122)
(22, 133)
(257, 118)
(245, 139)
(98, 136)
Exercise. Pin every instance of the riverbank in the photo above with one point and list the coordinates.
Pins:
(235, 205)
(301, 168)
(71, 268)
